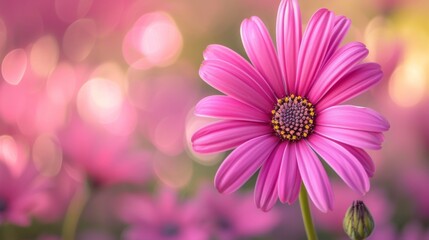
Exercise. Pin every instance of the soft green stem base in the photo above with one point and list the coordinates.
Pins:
(306, 214)
(74, 212)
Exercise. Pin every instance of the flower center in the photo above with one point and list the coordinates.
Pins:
(170, 229)
(293, 118)
(3, 205)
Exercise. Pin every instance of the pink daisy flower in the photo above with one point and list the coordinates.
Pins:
(163, 217)
(281, 111)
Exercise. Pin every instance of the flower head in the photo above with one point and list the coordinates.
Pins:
(163, 217)
(281, 110)
(20, 194)
(228, 217)
(103, 159)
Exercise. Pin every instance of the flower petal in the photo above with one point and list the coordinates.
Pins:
(354, 83)
(243, 162)
(342, 162)
(289, 35)
(363, 158)
(226, 107)
(225, 135)
(289, 182)
(260, 49)
(266, 184)
(312, 51)
(232, 81)
(338, 66)
(352, 117)
(219, 52)
(341, 27)
(361, 139)
(314, 177)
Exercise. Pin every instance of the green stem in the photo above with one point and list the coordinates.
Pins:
(306, 214)
(74, 212)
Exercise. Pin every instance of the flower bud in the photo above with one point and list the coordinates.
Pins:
(358, 222)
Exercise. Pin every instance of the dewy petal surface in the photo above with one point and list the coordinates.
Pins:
(266, 184)
(260, 49)
(339, 65)
(226, 107)
(225, 135)
(232, 81)
(314, 177)
(289, 178)
(243, 162)
(342, 162)
(360, 79)
(352, 117)
(313, 48)
(288, 38)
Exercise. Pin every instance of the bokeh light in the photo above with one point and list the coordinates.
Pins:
(154, 40)
(14, 65)
(44, 55)
(407, 86)
(79, 39)
(47, 155)
(99, 101)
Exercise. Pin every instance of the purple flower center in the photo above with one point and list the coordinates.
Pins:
(170, 229)
(3, 205)
(293, 118)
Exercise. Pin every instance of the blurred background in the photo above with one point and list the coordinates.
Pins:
(96, 113)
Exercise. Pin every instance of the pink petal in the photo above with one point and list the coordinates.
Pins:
(342, 162)
(260, 49)
(243, 162)
(360, 139)
(341, 27)
(354, 83)
(232, 81)
(338, 66)
(225, 135)
(312, 52)
(289, 182)
(352, 117)
(289, 35)
(363, 158)
(226, 107)
(314, 177)
(266, 184)
(219, 52)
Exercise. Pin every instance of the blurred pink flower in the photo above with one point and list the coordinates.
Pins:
(161, 218)
(281, 113)
(228, 217)
(58, 195)
(103, 158)
(414, 231)
(413, 184)
(20, 194)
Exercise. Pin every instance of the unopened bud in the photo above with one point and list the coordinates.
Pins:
(358, 222)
